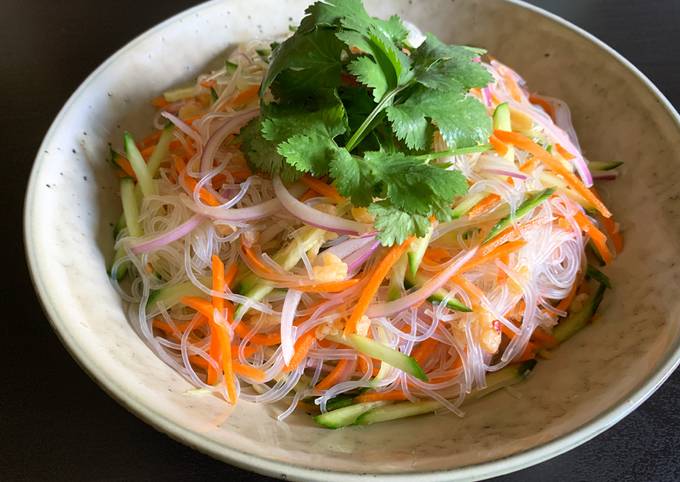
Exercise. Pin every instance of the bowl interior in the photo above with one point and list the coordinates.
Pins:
(593, 379)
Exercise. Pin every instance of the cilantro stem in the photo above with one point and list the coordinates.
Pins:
(454, 152)
(365, 126)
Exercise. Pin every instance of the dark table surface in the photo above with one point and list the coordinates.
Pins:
(56, 424)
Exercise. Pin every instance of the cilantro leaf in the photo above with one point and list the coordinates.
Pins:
(309, 152)
(394, 225)
(370, 74)
(413, 186)
(305, 62)
(462, 120)
(394, 28)
(349, 14)
(441, 66)
(261, 153)
(353, 178)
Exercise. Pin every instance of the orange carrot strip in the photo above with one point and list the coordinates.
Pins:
(218, 283)
(502, 275)
(484, 205)
(564, 153)
(230, 274)
(544, 338)
(529, 165)
(308, 194)
(200, 362)
(209, 83)
(205, 195)
(481, 258)
(393, 395)
(424, 350)
(597, 236)
(248, 371)
(566, 302)
(159, 102)
(436, 255)
(214, 352)
(151, 139)
(514, 89)
(613, 232)
(334, 376)
(244, 96)
(322, 188)
(254, 259)
(147, 151)
(499, 146)
(526, 144)
(302, 347)
(227, 363)
(374, 281)
(125, 165)
(329, 287)
(547, 106)
(268, 339)
(362, 365)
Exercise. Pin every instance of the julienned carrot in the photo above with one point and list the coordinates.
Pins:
(528, 166)
(424, 350)
(544, 338)
(151, 139)
(205, 195)
(253, 258)
(218, 282)
(307, 195)
(230, 274)
(227, 362)
(207, 84)
(547, 106)
(268, 339)
(362, 366)
(523, 142)
(481, 257)
(470, 288)
(502, 275)
(201, 363)
(499, 146)
(250, 372)
(245, 96)
(597, 237)
(435, 254)
(514, 89)
(564, 304)
(564, 153)
(159, 102)
(125, 165)
(302, 346)
(484, 205)
(322, 188)
(374, 281)
(613, 232)
(334, 376)
(328, 287)
(147, 151)
(214, 352)
(393, 395)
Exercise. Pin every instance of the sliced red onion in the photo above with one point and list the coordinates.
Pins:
(314, 217)
(605, 175)
(259, 211)
(430, 286)
(506, 172)
(290, 304)
(169, 236)
(486, 95)
(229, 127)
(349, 246)
(359, 257)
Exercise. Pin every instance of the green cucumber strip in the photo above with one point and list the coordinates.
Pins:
(438, 296)
(138, 165)
(466, 204)
(181, 93)
(525, 208)
(604, 166)
(597, 275)
(119, 226)
(595, 254)
(388, 355)
(230, 66)
(505, 377)
(397, 279)
(123, 268)
(339, 402)
(502, 121)
(173, 294)
(416, 251)
(255, 293)
(161, 151)
(345, 416)
(577, 320)
(213, 94)
(130, 207)
(396, 411)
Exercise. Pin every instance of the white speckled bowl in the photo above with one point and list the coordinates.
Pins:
(593, 381)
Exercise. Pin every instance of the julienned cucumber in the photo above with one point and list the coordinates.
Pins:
(138, 165)
(130, 207)
(577, 320)
(388, 355)
(525, 208)
(173, 294)
(494, 381)
(502, 121)
(604, 166)
(594, 273)
(397, 275)
(417, 251)
(345, 416)
(161, 150)
(466, 204)
(438, 296)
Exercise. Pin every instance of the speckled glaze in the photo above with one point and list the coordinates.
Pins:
(593, 381)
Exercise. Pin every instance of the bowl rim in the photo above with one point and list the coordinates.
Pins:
(520, 460)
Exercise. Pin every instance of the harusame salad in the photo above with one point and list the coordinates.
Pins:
(360, 222)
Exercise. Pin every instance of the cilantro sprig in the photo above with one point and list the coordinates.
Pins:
(352, 100)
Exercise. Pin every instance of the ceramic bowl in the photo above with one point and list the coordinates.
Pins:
(592, 382)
